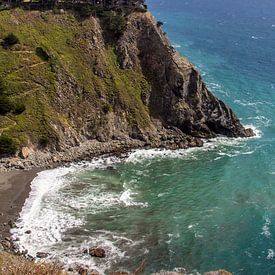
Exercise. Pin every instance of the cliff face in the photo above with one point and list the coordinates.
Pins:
(178, 96)
(76, 84)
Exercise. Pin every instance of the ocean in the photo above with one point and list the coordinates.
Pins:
(197, 209)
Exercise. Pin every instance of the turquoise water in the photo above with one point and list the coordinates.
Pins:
(200, 209)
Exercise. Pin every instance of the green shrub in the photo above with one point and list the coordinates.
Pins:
(44, 140)
(42, 53)
(9, 41)
(84, 10)
(5, 105)
(7, 146)
(18, 108)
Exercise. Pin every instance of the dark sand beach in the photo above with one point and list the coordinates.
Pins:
(14, 189)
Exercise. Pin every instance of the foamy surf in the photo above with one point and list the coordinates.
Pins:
(53, 219)
(60, 200)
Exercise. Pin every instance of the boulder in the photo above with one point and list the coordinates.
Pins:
(25, 152)
(41, 255)
(95, 252)
(12, 224)
(6, 245)
(28, 232)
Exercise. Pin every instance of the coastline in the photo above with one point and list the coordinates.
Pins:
(14, 190)
(89, 150)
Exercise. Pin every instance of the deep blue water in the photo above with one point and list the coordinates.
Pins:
(200, 209)
(232, 43)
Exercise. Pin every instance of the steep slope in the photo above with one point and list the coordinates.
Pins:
(70, 80)
(178, 96)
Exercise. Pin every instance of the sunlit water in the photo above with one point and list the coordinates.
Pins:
(198, 209)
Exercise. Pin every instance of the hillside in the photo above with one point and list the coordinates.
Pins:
(69, 79)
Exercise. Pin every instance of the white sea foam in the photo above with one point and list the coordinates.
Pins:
(266, 227)
(127, 198)
(247, 103)
(176, 46)
(270, 254)
(50, 211)
(138, 156)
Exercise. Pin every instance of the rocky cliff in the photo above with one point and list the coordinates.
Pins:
(69, 80)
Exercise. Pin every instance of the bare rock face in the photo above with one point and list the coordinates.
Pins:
(178, 95)
(136, 88)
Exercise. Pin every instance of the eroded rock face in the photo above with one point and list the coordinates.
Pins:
(137, 88)
(178, 95)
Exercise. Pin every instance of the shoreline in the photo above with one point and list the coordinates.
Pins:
(87, 151)
(15, 187)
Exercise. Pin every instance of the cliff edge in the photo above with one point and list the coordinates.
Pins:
(68, 80)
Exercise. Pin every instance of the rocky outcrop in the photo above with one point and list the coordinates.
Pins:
(82, 87)
(178, 96)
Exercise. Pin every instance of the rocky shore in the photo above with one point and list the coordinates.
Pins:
(90, 149)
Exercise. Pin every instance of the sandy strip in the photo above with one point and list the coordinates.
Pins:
(14, 189)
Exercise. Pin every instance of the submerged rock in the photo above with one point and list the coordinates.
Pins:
(42, 255)
(120, 273)
(163, 272)
(218, 272)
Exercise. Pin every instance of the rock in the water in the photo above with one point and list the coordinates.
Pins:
(42, 255)
(120, 273)
(85, 271)
(6, 245)
(96, 252)
(11, 224)
(218, 272)
(168, 273)
(28, 232)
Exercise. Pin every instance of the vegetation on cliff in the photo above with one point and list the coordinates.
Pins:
(66, 78)
(51, 47)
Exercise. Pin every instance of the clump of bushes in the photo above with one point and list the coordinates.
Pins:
(113, 24)
(9, 41)
(7, 105)
(7, 145)
(42, 53)
(84, 10)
